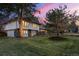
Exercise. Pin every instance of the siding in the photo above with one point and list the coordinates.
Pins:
(10, 33)
(30, 26)
(15, 25)
(33, 33)
(12, 25)
(25, 34)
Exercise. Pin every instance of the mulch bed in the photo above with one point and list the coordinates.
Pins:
(55, 38)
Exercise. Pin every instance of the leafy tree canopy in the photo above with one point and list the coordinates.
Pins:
(58, 19)
(21, 9)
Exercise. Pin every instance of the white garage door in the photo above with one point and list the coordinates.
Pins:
(25, 33)
(33, 33)
(10, 33)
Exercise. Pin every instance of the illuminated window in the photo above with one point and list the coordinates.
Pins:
(23, 23)
(34, 25)
(25, 33)
(26, 24)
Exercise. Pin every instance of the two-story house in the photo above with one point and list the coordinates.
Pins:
(28, 28)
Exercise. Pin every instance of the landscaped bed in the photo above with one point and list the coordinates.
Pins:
(39, 46)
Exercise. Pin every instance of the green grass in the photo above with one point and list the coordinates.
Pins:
(39, 46)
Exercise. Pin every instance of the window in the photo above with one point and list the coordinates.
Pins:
(34, 25)
(26, 24)
(23, 22)
(25, 33)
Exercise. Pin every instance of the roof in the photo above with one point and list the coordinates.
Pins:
(7, 20)
(3, 21)
(32, 21)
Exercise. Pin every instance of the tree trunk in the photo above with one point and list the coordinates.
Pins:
(57, 34)
(20, 28)
(20, 23)
(57, 30)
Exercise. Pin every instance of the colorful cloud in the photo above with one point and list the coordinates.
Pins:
(44, 8)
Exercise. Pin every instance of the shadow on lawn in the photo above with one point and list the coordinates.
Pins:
(55, 38)
(74, 35)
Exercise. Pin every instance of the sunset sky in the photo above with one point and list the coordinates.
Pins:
(45, 7)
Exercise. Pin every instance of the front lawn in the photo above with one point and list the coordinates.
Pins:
(39, 46)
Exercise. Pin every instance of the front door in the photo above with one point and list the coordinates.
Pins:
(16, 33)
(29, 33)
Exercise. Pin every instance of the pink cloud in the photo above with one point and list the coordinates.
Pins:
(43, 21)
(47, 6)
(42, 11)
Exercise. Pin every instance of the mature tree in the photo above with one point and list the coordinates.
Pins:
(72, 22)
(23, 10)
(58, 19)
(73, 27)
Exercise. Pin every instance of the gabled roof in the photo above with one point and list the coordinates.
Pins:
(7, 20)
(3, 21)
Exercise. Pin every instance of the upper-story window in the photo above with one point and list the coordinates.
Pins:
(34, 25)
(26, 24)
(23, 23)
